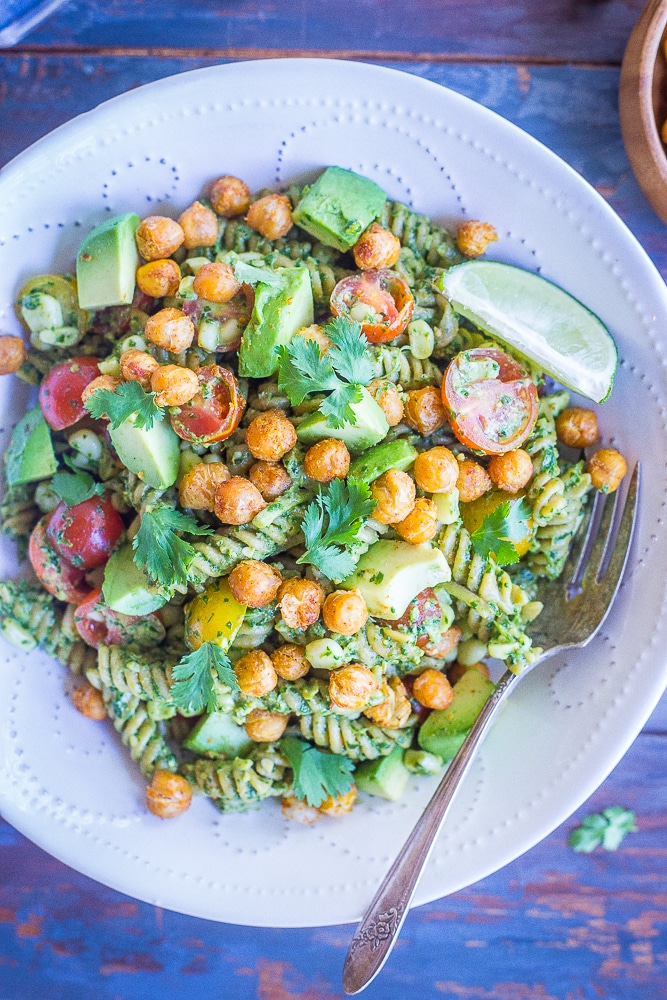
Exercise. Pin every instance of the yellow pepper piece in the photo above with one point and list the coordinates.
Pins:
(213, 616)
(474, 512)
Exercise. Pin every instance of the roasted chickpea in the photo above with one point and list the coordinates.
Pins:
(421, 524)
(216, 282)
(255, 673)
(88, 700)
(395, 710)
(511, 471)
(300, 602)
(270, 436)
(456, 672)
(237, 501)
(298, 810)
(376, 247)
(12, 354)
(289, 662)
(388, 398)
(168, 794)
(316, 333)
(174, 385)
(606, 468)
(158, 237)
(339, 805)
(473, 237)
(170, 329)
(265, 727)
(138, 366)
(230, 196)
(424, 410)
(254, 583)
(445, 645)
(394, 492)
(351, 686)
(473, 480)
(436, 470)
(270, 216)
(198, 485)
(101, 382)
(577, 427)
(199, 225)
(326, 460)
(158, 278)
(432, 690)
(345, 612)
(270, 478)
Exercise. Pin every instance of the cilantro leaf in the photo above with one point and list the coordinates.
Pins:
(302, 370)
(194, 689)
(332, 521)
(75, 487)
(501, 529)
(606, 829)
(120, 403)
(248, 274)
(316, 774)
(160, 551)
(337, 407)
(349, 351)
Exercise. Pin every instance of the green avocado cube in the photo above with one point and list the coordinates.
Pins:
(126, 588)
(154, 452)
(216, 734)
(107, 262)
(30, 456)
(397, 454)
(338, 207)
(386, 776)
(279, 311)
(369, 428)
(444, 730)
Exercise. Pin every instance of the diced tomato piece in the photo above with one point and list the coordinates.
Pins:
(86, 534)
(60, 578)
(215, 412)
(60, 392)
(379, 299)
(99, 625)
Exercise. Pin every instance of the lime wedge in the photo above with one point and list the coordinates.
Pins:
(537, 318)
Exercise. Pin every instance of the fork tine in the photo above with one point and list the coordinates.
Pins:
(582, 545)
(614, 559)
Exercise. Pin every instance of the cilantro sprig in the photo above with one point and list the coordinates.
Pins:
(120, 403)
(316, 774)
(606, 829)
(75, 487)
(331, 522)
(194, 685)
(158, 550)
(500, 531)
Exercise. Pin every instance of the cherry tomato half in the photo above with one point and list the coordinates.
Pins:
(215, 412)
(60, 392)
(490, 399)
(59, 577)
(98, 625)
(380, 300)
(85, 534)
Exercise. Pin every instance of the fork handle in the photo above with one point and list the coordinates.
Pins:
(380, 926)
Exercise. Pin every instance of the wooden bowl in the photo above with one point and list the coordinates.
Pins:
(643, 103)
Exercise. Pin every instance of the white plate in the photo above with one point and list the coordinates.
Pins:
(66, 782)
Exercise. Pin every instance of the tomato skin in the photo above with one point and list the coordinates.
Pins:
(215, 412)
(99, 625)
(386, 292)
(85, 534)
(60, 392)
(60, 578)
(495, 415)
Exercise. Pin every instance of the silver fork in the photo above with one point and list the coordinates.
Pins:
(575, 606)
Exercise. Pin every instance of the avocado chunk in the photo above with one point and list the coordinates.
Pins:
(126, 588)
(370, 427)
(378, 460)
(151, 452)
(387, 776)
(392, 573)
(338, 207)
(447, 505)
(216, 734)
(444, 730)
(279, 311)
(30, 456)
(107, 263)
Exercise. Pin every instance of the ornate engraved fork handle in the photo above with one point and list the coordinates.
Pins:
(379, 928)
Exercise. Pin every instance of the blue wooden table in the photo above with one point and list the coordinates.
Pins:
(554, 925)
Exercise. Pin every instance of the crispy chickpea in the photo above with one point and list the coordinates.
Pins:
(473, 237)
(316, 333)
(255, 673)
(12, 354)
(423, 410)
(101, 382)
(216, 282)
(394, 492)
(270, 436)
(606, 468)
(158, 237)
(265, 727)
(230, 196)
(421, 524)
(270, 216)
(395, 710)
(511, 471)
(199, 225)
(254, 583)
(339, 805)
(298, 810)
(473, 480)
(388, 398)
(237, 501)
(345, 612)
(170, 329)
(174, 385)
(436, 470)
(289, 662)
(198, 485)
(445, 645)
(432, 689)
(456, 672)
(168, 794)
(300, 602)
(577, 427)
(158, 278)
(326, 460)
(270, 478)
(351, 686)
(138, 366)
(88, 700)
(376, 247)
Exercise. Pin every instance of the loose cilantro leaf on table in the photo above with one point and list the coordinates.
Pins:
(606, 829)
(316, 774)
(499, 531)
(120, 403)
(194, 689)
(75, 487)
(333, 521)
(160, 551)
